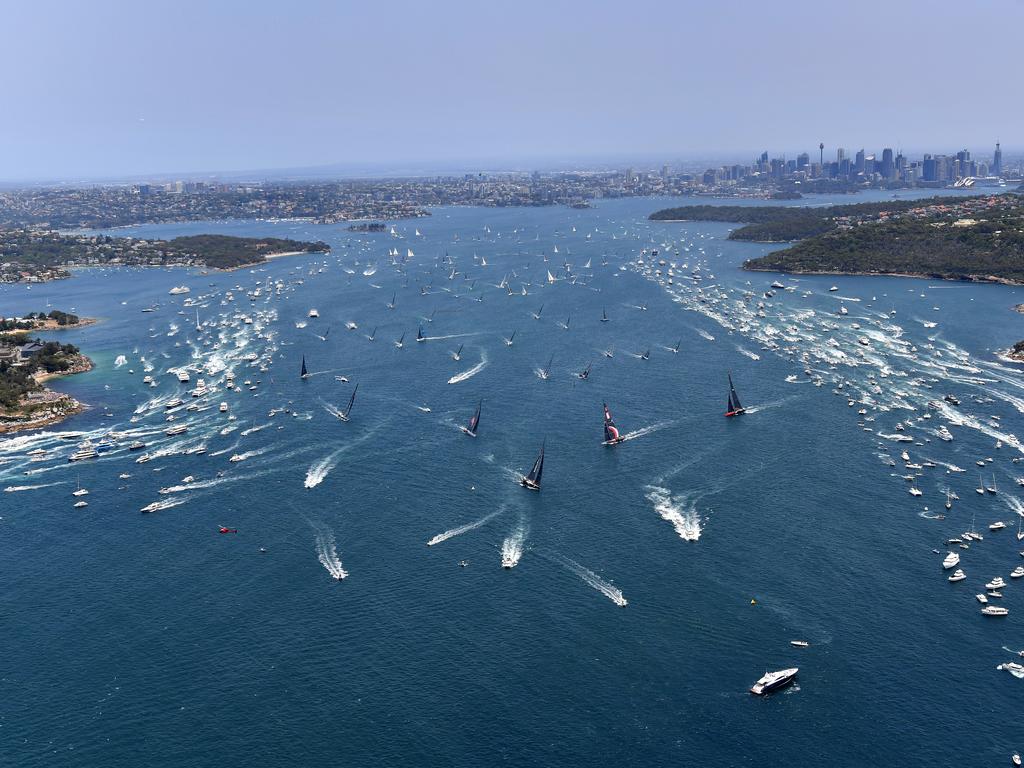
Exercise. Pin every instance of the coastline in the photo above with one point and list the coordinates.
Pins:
(992, 279)
(267, 257)
(43, 409)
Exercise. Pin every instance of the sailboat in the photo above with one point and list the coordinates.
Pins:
(676, 347)
(419, 334)
(546, 372)
(567, 321)
(949, 500)
(587, 265)
(536, 315)
(458, 355)
(401, 341)
(473, 422)
(373, 333)
(531, 480)
(604, 316)
(646, 355)
(304, 374)
(992, 488)
(611, 432)
(735, 408)
(508, 341)
(348, 409)
(391, 305)
(585, 373)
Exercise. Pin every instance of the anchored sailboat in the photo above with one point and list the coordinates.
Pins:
(473, 422)
(348, 409)
(735, 408)
(604, 316)
(611, 432)
(304, 374)
(532, 480)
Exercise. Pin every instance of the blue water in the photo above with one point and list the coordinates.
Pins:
(153, 639)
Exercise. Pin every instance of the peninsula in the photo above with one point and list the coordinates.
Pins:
(960, 238)
(38, 256)
(25, 364)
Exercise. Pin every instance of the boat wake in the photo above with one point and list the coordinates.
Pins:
(464, 528)
(748, 353)
(327, 554)
(606, 588)
(705, 335)
(677, 510)
(17, 488)
(320, 469)
(251, 430)
(645, 430)
(459, 377)
(512, 546)
(765, 406)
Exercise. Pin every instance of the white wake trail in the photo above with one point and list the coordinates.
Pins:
(645, 430)
(464, 528)
(512, 547)
(327, 554)
(16, 488)
(683, 516)
(459, 377)
(606, 588)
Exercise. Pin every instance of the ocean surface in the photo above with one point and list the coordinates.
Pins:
(653, 581)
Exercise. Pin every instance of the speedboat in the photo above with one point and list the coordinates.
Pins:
(951, 560)
(998, 525)
(80, 504)
(959, 575)
(136, 446)
(981, 598)
(223, 408)
(799, 643)
(915, 491)
(773, 681)
(314, 313)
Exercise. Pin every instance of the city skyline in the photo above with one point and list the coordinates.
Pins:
(246, 87)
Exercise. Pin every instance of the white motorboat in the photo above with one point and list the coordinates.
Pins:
(952, 560)
(1017, 572)
(994, 610)
(958, 575)
(981, 598)
(996, 583)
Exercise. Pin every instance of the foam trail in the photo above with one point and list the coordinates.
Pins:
(327, 554)
(1013, 503)
(162, 504)
(251, 454)
(463, 528)
(766, 406)
(250, 430)
(706, 335)
(645, 430)
(449, 336)
(318, 470)
(747, 352)
(512, 547)
(229, 449)
(16, 488)
(683, 518)
(470, 373)
(606, 588)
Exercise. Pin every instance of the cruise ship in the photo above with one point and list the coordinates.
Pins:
(773, 681)
(179, 289)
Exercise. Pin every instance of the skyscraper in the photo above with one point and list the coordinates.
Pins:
(858, 163)
(997, 162)
(888, 168)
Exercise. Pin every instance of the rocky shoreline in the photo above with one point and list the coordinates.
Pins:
(47, 407)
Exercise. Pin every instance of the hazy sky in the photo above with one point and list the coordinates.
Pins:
(101, 88)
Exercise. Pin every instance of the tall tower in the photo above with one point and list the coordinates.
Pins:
(997, 161)
(821, 153)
